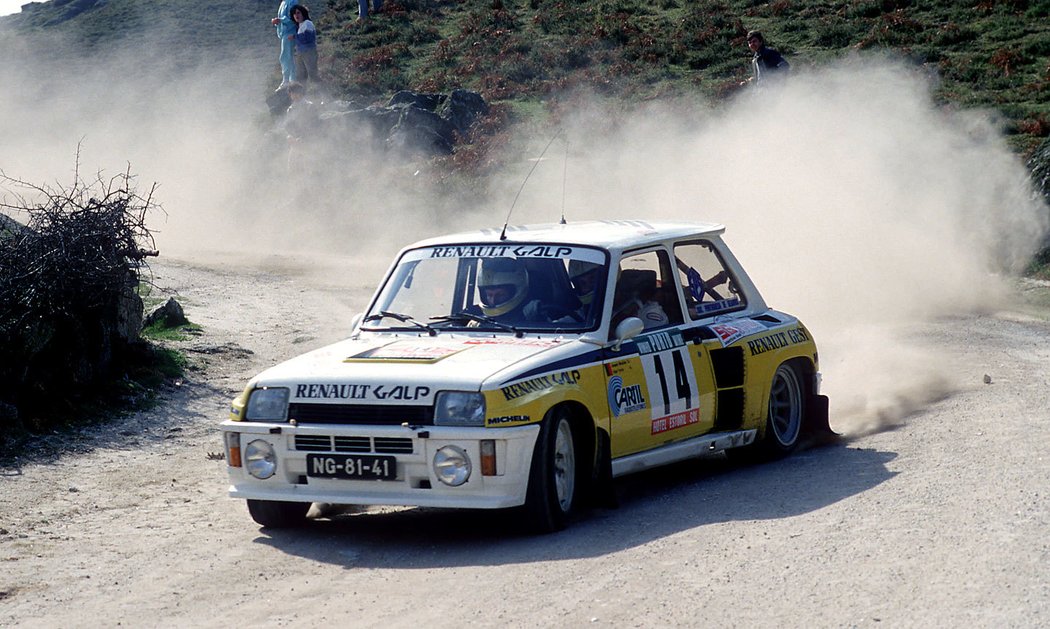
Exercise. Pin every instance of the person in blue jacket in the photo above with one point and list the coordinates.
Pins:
(305, 45)
(286, 28)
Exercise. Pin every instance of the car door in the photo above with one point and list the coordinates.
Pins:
(658, 383)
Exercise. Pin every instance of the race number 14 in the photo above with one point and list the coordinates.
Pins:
(671, 381)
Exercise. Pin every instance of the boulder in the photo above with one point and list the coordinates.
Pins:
(169, 315)
(419, 130)
(430, 102)
(462, 109)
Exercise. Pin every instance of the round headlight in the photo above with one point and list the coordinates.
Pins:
(452, 466)
(259, 459)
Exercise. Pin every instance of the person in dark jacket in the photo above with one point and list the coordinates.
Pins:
(767, 64)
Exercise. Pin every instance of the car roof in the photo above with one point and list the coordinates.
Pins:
(613, 235)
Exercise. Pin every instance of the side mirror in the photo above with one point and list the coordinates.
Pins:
(356, 321)
(627, 329)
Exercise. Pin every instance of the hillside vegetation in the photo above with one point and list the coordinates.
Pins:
(988, 53)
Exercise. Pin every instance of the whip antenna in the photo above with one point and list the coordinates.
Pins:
(503, 234)
(564, 177)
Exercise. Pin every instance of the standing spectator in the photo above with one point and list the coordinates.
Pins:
(362, 8)
(285, 28)
(305, 45)
(767, 64)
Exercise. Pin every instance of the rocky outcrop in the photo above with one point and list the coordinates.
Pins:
(410, 122)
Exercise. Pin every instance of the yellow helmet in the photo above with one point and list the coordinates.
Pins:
(502, 286)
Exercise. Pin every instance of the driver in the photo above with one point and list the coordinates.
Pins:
(502, 286)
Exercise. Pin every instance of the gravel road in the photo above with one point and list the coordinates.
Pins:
(936, 516)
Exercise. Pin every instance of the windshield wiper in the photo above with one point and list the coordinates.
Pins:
(463, 315)
(403, 318)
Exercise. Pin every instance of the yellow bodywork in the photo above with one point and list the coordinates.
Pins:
(660, 388)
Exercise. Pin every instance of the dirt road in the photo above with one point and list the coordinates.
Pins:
(942, 521)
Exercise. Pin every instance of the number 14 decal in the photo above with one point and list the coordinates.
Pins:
(671, 381)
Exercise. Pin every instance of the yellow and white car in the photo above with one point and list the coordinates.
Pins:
(528, 367)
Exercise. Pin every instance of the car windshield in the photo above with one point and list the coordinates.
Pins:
(502, 287)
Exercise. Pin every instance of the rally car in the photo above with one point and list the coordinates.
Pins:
(527, 367)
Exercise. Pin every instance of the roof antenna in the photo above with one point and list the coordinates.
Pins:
(564, 176)
(503, 234)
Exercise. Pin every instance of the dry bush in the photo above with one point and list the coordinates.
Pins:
(68, 292)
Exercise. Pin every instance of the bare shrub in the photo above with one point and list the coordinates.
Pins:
(68, 292)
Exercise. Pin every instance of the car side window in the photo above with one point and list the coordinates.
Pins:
(645, 289)
(709, 287)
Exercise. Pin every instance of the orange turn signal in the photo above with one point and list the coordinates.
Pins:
(233, 449)
(488, 457)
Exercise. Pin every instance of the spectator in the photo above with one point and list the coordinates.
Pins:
(285, 28)
(299, 122)
(767, 64)
(305, 45)
(362, 8)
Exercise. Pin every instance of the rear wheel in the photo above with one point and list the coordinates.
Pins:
(278, 515)
(553, 477)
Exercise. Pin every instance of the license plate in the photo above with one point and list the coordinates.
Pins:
(357, 467)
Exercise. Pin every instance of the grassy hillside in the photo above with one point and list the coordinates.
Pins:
(988, 52)
(991, 53)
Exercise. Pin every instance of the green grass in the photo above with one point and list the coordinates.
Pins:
(989, 53)
(158, 332)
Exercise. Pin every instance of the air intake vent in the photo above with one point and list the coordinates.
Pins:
(313, 443)
(361, 414)
(327, 443)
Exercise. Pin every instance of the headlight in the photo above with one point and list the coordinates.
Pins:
(459, 408)
(452, 466)
(268, 405)
(260, 460)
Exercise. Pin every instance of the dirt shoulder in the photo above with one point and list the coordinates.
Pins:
(942, 520)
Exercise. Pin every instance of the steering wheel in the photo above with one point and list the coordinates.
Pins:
(553, 312)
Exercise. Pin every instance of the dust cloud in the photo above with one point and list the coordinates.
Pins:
(854, 201)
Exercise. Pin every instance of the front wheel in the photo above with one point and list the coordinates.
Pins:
(552, 492)
(278, 515)
(784, 418)
(786, 410)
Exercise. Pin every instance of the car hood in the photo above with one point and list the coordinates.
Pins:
(399, 369)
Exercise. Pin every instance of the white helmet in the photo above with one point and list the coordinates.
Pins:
(502, 285)
(584, 288)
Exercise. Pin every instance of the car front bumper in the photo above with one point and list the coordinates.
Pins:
(416, 483)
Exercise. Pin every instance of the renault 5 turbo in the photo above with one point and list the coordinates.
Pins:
(527, 368)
